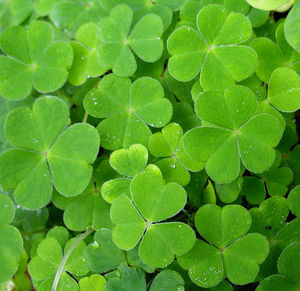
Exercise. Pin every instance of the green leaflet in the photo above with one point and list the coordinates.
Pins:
(34, 57)
(207, 50)
(161, 241)
(267, 5)
(127, 110)
(232, 134)
(41, 147)
(291, 27)
(225, 229)
(118, 41)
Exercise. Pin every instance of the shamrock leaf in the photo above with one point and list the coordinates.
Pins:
(40, 145)
(127, 279)
(284, 89)
(94, 282)
(94, 211)
(233, 133)
(7, 209)
(102, 256)
(294, 201)
(272, 56)
(167, 280)
(253, 189)
(207, 51)
(161, 241)
(291, 27)
(10, 251)
(85, 64)
(33, 58)
(129, 162)
(168, 144)
(230, 250)
(127, 109)
(71, 14)
(267, 4)
(118, 41)
(288, 268)
(49, 255)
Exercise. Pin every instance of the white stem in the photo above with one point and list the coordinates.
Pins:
(63, 262)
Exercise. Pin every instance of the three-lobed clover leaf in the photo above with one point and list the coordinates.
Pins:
(288, 268)
(45, 152)
(284, 90)
(85, 63)
(127, 110)
(229, 250)
(154, 201)
(268, 4)
(232, 133)
(213, 50)
(102, 255)
(94, 211)
(118, 41)
(94, 282)
(33, 60)
(272, 56)
(292, 26)
(176, 165)
(11, 240)
(71, 14)
(49, 254)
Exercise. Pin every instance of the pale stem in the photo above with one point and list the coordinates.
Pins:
(63, 262)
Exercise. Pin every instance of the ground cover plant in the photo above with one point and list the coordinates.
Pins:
(149, 145)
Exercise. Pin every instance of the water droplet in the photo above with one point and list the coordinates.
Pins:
(179, 225)
(173, 166)
(5, 205)
(95, 245)
(35, 140)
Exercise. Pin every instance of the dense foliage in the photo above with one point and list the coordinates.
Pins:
(149, 145)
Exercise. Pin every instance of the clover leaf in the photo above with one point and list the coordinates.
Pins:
(44, 265)
(233, 133)
(127, 279)
(10, 250)
(168, 144)
(85, 64)
(127, 109)
(129, 162)
(94, 282)
(40, 146)
(288, 268)
(267, 4)
(272, 56)
(71, 14)
(207, 50)
(294, 200)
(102, 255)
(32, 59)
(284, 90)
(229, 249)
(94, 211)
(291, 27)
(161, 241)
(167, 280)
(7, 210)
(118, 41)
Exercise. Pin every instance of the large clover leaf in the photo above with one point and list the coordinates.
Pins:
(44, 153)
(85, 64)
(118, 41)
(127, 109)
(176, 165)
(292, 26)
(44, 265)
(155, 201)
(288, 267)
(33, 60)
(71, 14)
(268, 4)
(272, 56)
(213, 50)
(233, 133)
(229, 249)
